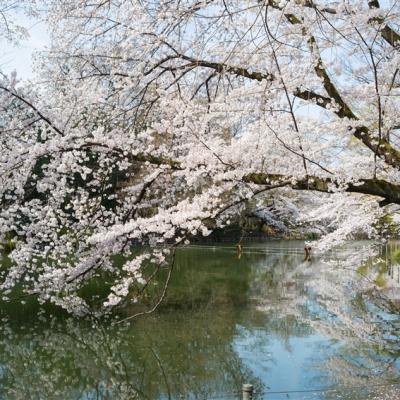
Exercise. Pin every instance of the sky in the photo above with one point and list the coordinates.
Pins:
(19, 57)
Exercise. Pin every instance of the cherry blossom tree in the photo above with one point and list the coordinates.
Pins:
(152, 122)
(9, 30)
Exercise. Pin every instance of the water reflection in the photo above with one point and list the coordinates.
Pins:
(268, 318)
(162, 357)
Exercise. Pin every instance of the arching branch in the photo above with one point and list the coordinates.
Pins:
(373, 187)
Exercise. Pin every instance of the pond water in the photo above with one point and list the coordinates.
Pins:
(294, 329)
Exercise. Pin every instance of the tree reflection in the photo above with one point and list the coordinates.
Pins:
(343, 302)
(189, 346)
(160, 357)
(183, 349)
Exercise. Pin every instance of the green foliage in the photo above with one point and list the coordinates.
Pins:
(396, 257)
(380, 280)
(386, 225)
(312, 236)
(8, 245)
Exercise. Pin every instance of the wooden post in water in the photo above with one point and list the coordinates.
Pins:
(247, 391)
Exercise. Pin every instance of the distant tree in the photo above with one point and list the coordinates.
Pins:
(10, 30)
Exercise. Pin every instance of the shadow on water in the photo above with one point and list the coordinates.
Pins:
(268, 318)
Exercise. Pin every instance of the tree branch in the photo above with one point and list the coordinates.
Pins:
(391, 36)
(373, 187)
(32, 107)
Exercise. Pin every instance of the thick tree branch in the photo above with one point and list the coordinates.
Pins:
(391, 36)
(222, 67)
(373, 187)
(139, 157)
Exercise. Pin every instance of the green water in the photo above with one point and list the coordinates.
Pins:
(306, 329)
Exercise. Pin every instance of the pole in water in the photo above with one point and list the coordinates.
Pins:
(247, 391)
(238, 250)
(307, 251)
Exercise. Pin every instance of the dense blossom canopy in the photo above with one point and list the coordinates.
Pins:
(153, 121)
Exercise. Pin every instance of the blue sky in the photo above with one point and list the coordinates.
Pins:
(19, 57)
